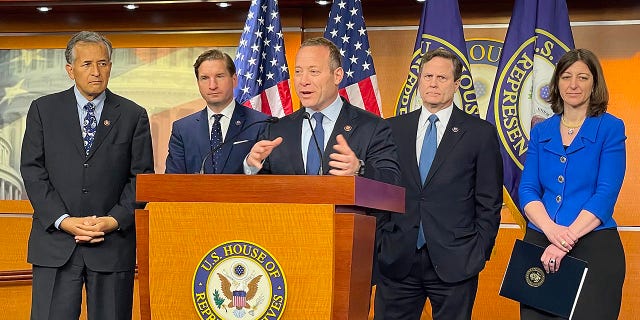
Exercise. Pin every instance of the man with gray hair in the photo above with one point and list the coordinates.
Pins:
(82, 150)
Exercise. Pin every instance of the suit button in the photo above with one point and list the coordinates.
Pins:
(85, 191)
(563, 159)
(86, 165)
(558, 198)
(560, 179)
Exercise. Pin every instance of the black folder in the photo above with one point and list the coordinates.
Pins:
(526, 281)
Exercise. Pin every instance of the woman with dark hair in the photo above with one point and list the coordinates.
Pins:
(572, 177)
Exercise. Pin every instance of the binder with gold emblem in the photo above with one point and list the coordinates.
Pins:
(526, 281)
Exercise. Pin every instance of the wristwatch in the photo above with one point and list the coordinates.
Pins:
(360, 171)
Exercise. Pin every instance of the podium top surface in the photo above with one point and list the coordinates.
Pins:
(340, 191)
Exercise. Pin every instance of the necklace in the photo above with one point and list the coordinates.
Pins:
(571, 128)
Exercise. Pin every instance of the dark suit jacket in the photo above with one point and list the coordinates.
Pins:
(190, 141)
(459, 203)
(368, 135)
(60, 179)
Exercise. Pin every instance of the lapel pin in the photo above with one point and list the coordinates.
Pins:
(238, 122)
(107, 123)
(455, 129)
(347, 128)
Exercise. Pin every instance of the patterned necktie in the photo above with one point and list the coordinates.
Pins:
(216, 141)
(428, 152)
(313, 157)
(89, 126)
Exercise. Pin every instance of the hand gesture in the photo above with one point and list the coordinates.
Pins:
(261, 150)
(344, 161)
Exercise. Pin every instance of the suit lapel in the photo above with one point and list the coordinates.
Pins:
(452, 134)
(588, 131)
(295, 138)
(108, 119)
(203, 137)
(551, 139)
(236, 124)
(346, 123)
(71, 120)
(409, 129)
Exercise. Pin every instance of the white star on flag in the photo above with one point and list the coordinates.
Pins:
(263, 76)
(347, 30)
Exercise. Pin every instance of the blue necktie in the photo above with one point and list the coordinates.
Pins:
(216, 141)
(89, 126)
(313, 157)
(428, 152)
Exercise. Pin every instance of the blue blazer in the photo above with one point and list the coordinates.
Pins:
(189, 142)
(587, 175)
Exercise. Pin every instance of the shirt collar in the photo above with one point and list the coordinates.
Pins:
(443, 115)
(82, 101)
(332, 111)
(227, 112)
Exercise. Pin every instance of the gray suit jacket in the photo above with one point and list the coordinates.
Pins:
(60, 179)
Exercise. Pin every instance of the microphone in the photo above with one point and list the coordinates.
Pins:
(268, 120)
(307, 116)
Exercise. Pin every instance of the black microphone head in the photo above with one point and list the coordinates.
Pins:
(306, 115)
(273, 120)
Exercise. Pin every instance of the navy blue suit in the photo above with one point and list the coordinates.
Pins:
(460, 202)
(190, 136)
(368, 135)
(459, 205)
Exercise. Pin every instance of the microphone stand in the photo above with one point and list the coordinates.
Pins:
(307, 116)
(204, 160)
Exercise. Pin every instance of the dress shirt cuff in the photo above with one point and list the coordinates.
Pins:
(59, 221)
(249, 170)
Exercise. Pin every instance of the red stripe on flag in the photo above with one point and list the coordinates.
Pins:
(343, 93)
(264, 103)
(369, 96)
(285, 96)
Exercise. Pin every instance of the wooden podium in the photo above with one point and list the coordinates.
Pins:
(313, 226)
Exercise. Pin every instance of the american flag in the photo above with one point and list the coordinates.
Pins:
(263, 74)
(346, 28)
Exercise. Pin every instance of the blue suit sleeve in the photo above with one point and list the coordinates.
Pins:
(611, 171)
(175, 162)
(530, 188)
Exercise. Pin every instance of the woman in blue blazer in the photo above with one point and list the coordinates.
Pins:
(572, 177)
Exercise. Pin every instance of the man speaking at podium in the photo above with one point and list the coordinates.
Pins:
(197, 144)
(327, 135)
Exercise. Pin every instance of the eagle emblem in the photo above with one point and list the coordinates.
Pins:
(239, 280)
(239, 298)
